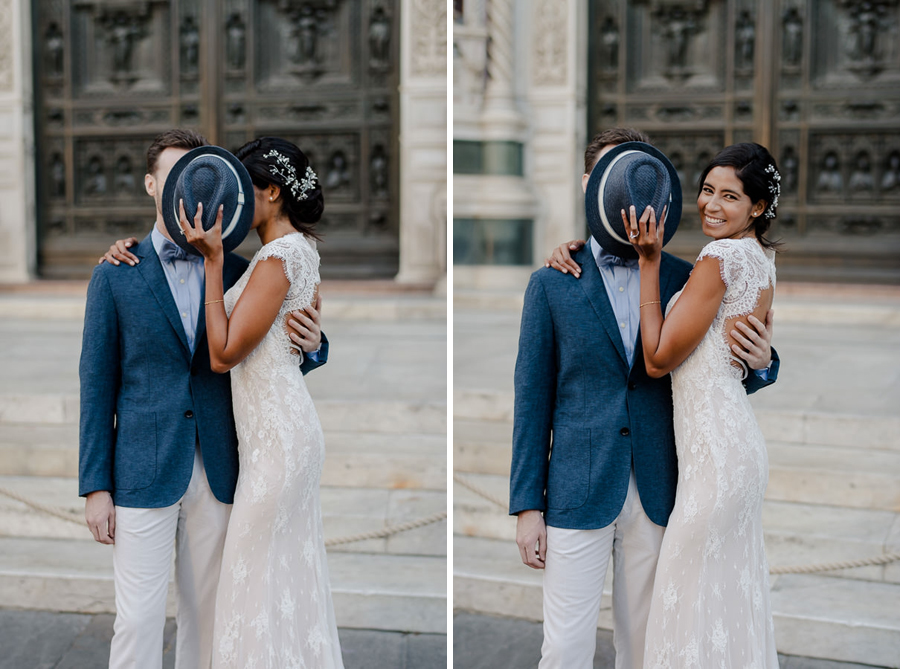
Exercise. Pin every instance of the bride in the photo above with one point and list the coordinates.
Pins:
(710, 604)
(273, 607)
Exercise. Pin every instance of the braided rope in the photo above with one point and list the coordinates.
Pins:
(50, 510)
(337, 541)
(388, 531)
(887, 558)
(479, 491)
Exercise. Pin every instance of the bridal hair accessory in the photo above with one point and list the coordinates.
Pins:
(284, 169)
(774, 189)
(632, 173)
(213, 176)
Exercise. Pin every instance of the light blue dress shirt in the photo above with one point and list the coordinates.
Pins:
(186, 279)
(623, 287)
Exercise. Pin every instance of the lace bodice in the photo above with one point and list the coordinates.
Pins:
(710, 605)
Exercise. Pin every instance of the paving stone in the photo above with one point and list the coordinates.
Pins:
(494, 642)
(45, 640)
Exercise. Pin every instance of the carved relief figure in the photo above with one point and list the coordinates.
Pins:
(679, 26)
(789, 167)
(609, 38)
(53, 45)
(792, 37)
(861, 177)
(379, 40)
(306, 32)
(96, 181)
(123, 33)
(379, 171)
(190, 45)
(57, 176)
(745, 38)
(338, 171)
(865, 28)
(891, 179)
(830, 180)
(235, 41)
(124, 179)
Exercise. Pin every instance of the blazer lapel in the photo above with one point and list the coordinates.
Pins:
(151, 270)
(592, 284)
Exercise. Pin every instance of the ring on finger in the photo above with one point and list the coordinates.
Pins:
(633, 235)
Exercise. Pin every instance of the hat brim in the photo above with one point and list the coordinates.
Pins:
(234, 231)
(610, 232)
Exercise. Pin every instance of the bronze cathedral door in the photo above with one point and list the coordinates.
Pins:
(817, 82)
(111, 74)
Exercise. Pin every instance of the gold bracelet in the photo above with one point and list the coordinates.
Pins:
(213, 302)
(646, 303)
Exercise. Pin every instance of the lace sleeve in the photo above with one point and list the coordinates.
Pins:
(745, 271)
(724, 251)
(301, 266)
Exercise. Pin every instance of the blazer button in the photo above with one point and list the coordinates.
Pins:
(188, 414)
(624, 431)
(632, 385)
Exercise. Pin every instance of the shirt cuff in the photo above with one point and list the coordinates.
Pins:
(314, 356)
(763, 373)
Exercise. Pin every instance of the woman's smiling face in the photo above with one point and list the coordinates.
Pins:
(726, 212)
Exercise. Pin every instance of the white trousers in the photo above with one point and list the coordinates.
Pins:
(142, 561)
(574, 572)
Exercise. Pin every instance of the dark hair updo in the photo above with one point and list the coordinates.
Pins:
(272, 161)
(758, 172)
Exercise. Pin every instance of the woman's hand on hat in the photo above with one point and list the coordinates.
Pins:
(561, 258)
(645, 235)
(208, 242)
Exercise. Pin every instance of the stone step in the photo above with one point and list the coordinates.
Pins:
(364, 459)
(337, 307)
(852, 476)
(815, 616)
(346, 511)
(475, 410)
(46, 409)
(371, 591)
(796, 534)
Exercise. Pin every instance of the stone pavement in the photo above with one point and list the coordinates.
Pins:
(44, 640)
(833, 434)
(494, 642)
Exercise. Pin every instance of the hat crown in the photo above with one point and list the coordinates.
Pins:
(636, 179)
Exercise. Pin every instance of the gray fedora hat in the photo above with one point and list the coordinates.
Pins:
(213, 176)
(633, 173)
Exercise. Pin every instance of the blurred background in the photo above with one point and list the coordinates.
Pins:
(818, 83)
(361, 87)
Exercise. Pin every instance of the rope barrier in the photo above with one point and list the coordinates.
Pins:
(887, 558)
(337, 541)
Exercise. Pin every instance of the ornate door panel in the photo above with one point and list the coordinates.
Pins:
(818, 83)
(111, 74)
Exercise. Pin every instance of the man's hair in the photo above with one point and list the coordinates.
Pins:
(177, 138)
(611, 136)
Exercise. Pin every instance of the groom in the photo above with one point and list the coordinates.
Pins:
(158, 458)
(594, 468)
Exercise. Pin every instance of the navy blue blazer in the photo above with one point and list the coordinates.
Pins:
(146, 401)
(582, 416)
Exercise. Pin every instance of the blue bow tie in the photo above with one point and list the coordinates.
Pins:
(173, 252)
(610, 259)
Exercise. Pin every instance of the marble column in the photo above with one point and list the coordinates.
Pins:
(18, 252)
(557, 99)
(423, 142)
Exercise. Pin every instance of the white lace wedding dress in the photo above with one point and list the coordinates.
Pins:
(273, 607)
(710, 605)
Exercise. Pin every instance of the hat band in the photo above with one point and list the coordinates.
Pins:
(600, 191)
(240, 197)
